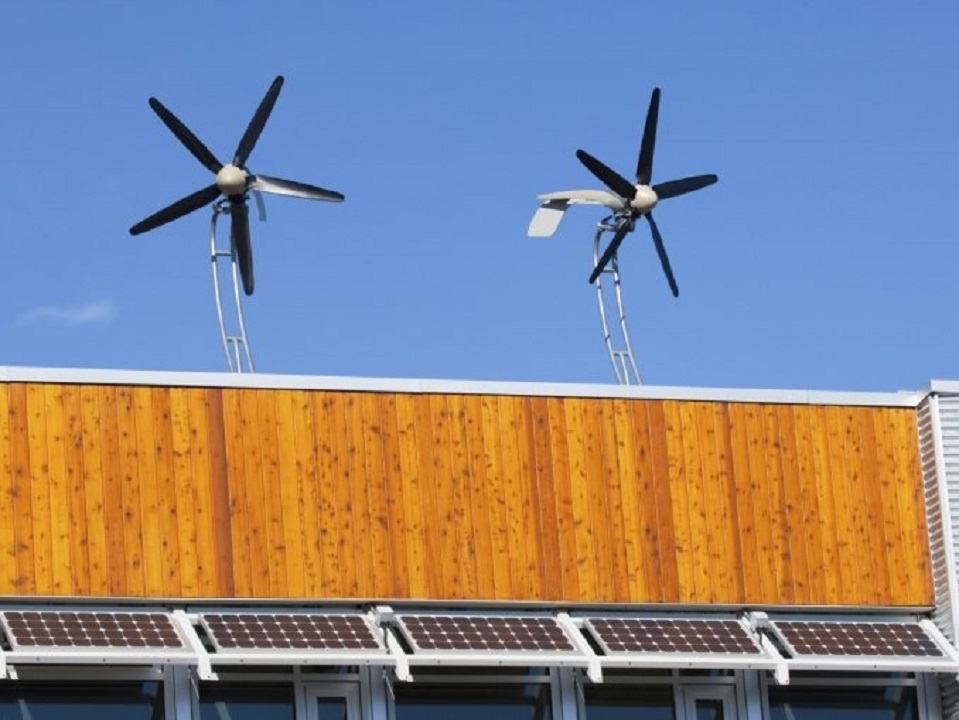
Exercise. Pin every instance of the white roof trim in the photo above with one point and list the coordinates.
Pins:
(459, 387)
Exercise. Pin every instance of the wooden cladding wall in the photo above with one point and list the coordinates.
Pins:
(192, 492)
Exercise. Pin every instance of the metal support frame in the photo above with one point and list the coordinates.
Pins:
(235, 345)
(620, 351)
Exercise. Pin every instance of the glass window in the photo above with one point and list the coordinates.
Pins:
(637, 702)
(846, 703)
(249, 701)
(435, 701)
(81, 701)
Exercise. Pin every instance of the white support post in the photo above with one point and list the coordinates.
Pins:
(182, 622)
(402, 659)
(594, 670)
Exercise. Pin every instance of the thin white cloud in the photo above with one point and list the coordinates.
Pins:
(99, 312)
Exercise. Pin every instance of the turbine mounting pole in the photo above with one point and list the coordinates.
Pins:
(235, 345)
(620, 350)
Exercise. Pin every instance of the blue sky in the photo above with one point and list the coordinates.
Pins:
(824, 258)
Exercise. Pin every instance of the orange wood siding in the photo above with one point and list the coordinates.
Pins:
(250, 493)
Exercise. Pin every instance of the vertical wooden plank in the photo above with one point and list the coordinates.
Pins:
(780, 556)
(479, 500)
(462, 475)
(842, 513)
(240, 523)
(613, 490)
(397, 520)
(185, 494)
(274, 533)
(795, 563)
(705, 467)
(564, 505)
(73, 458)
(425, 452)
(825, 494)
(112, 470)
(871, 483)
(680, 495)
(762, 505)
(289, 480)
(812, 533)
(328, 480)
(898, 562)
(145, 439)
(258, 516)
(498, 500)
(730, 512)
(445, 517)
(130, 492)
(511, 482)
(307, 471)
(719, 554)
(705, 577)
(92, 480)
(545, 509)
(756, 582)
(596, 500)
(8, 491)
(633, 424)
(419, 556)
(341, 487)
(202, 492)
(219, 478)
(25, 581)
(379, 493)
(634, 492)
(167, 508)
(652, 415)
(53, 418)
(917, 587)
(528, 496)
(39, 483)
(112, 473)
(362, 547)
(586, 554)
(856, 497)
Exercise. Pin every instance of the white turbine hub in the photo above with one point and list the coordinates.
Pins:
(231, 180)
(645, 199)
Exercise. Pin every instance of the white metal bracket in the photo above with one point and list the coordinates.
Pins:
(185, 627)
(594, 669)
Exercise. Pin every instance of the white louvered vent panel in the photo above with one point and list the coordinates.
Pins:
(939, 551)
(940, 475)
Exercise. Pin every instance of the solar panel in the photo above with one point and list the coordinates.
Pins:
(57, 630)
(484, 633)
(244, 632)
(856, 638)
(617, 636)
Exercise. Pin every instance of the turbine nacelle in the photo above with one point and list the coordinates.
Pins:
(644, 200)
(232, 180)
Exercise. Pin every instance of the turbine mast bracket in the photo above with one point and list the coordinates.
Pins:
(620, 349)
(235, 346)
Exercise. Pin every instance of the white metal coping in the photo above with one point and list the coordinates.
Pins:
(382, 620)
(458, 387)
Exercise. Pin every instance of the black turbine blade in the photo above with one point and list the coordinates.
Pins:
(240, 236)
(663, 257)
(253, 130)
(612, 179)
(611, 249)
(181, 207)
(672, 188)
(279, 186)
(192, 143)
(644, 168)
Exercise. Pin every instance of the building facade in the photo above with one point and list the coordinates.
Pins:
(230, 547)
